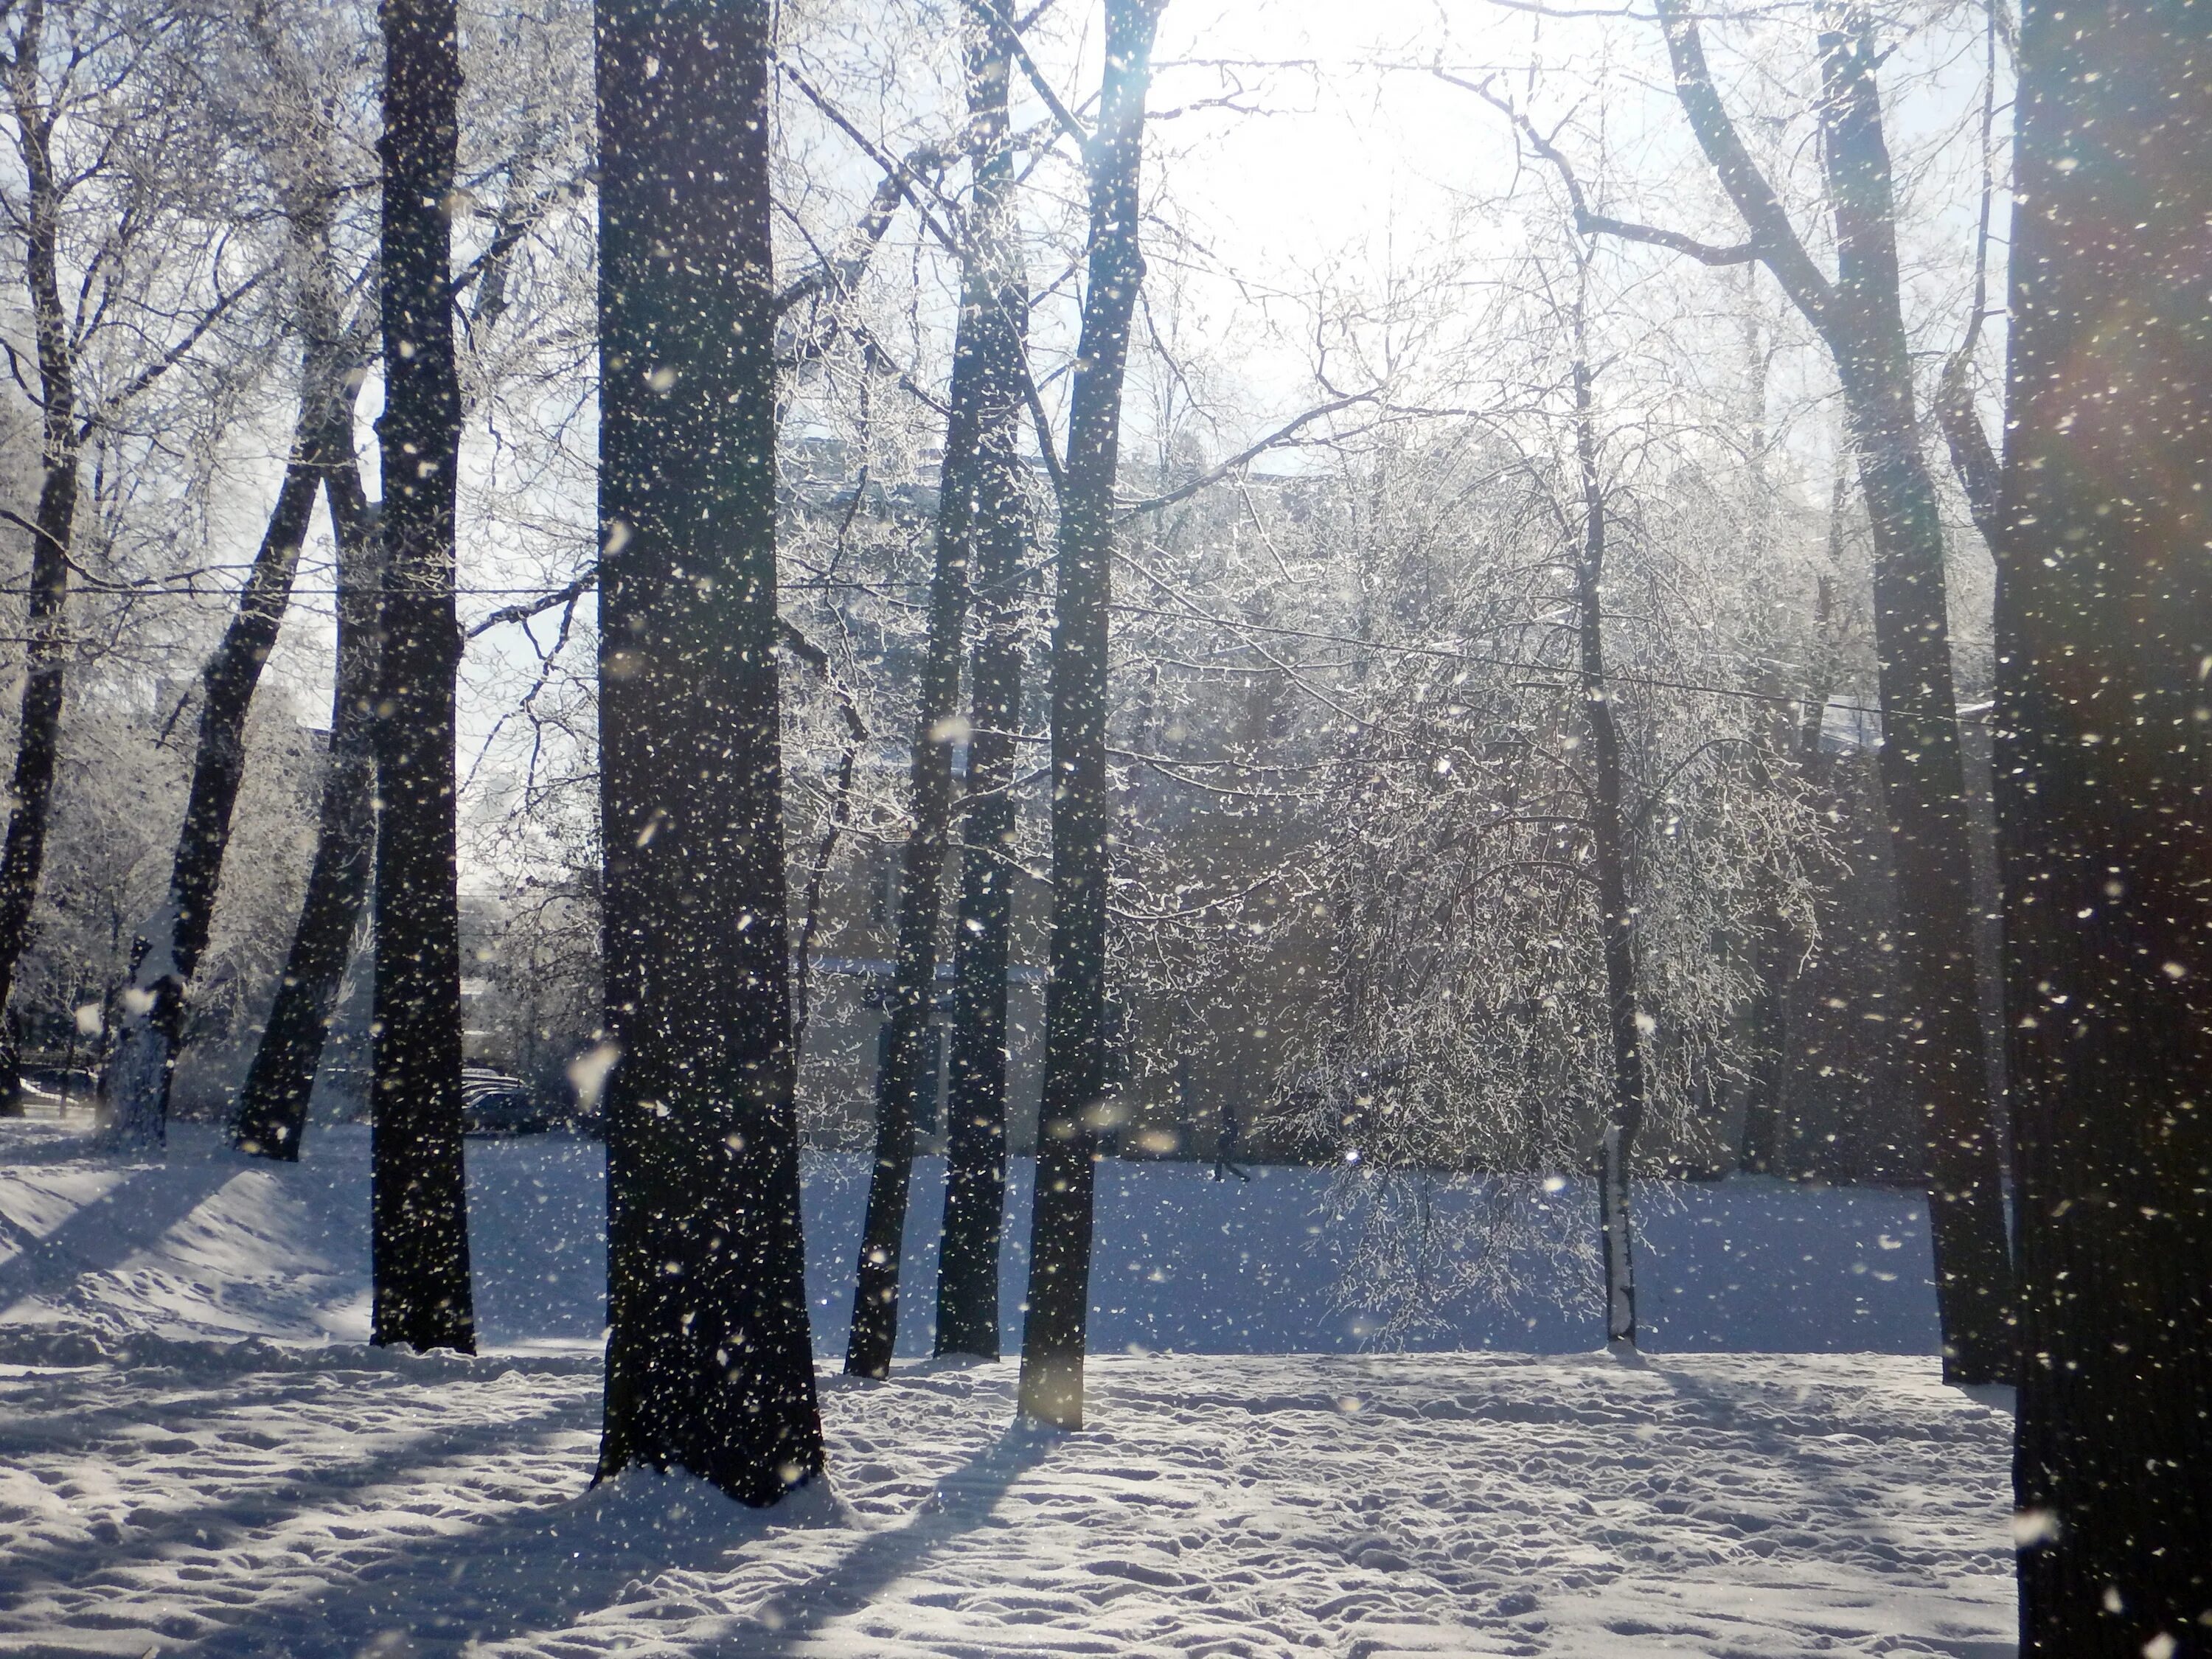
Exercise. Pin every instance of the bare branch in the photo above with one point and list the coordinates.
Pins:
(1011, 37)
(583, 582)
(1244, 457)
(1599, 224)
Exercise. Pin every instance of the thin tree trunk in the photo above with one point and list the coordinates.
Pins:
(2103, 748)
(272, 1119)
(1075, 995)
(61, 442)
(135, 1100)
(709, 1360)
(840, 813)
(975, 1107)
(980, 395)
(1860, 317)
(1609, 831)
(419, 1244)
(1758, 1144)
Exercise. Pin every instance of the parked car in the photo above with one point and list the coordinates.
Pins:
(494, 1103)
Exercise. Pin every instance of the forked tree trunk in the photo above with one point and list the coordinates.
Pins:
(1860, 317)
(1608, 833)
(984, 395)
(271, 1120)
(983, 950)
(709, 1362)
(1075, 995)
(135, 1103)
(47, 652)
(418, 1239)
(2104, 749)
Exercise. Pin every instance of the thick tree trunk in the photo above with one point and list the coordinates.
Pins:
(272, 1109)
(47, 650)
(975, 1111)
(1075, 995)
(419, 1245)
(709, 1362)
(2104, 757)
(1608, 831)
(1923, 772)
(135, 1103)
(985, 395)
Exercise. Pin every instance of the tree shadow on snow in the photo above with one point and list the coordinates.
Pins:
(102, 1235)
(543, 1570)
(239, 1525)
(962, 1502)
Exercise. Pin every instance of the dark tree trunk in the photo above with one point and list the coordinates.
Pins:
(272, 1109)
(709, 1362)
(985, 395)
(1860, 317)
(1923, 770)
(1608, 832)
(976, 1113)
(1075, 995)
(135, 1100)
(419, 1244)
(2104, 757)
(47, 650)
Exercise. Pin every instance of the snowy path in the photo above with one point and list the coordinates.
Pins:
(256, 1501)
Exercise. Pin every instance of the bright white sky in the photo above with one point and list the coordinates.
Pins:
(1346, 161)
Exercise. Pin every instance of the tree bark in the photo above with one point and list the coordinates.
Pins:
(709, 1360)
(1608, 832)
(419, 1245)
(271, 1120)
(2104, 754)
(1860, 317)
(61, 444)
(984, 395)
(983, 950)
(1075, 995)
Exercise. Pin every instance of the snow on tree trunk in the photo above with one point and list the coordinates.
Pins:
(709, 1356)
(2104, 745)
(1075, 995)
(131, 1095)
(418, 1238)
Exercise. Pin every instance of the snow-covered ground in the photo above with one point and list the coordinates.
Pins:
(211, 1245)
(197, 1454)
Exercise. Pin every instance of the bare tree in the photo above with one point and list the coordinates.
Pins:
(419, 1245)
(94, 224)
(709, 1362)
(979, 520)
(169, 948)
(976, 1112)
(1082, 815)
(1859, 317)
(272, 1117)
